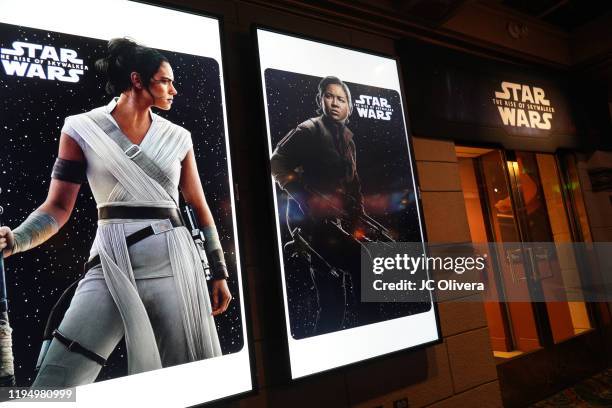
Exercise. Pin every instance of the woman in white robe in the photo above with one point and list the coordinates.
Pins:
(153, 292)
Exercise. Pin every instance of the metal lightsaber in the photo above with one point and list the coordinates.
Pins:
(7, 368)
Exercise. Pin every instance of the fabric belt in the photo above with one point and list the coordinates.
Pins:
(170, 218)
(141, 213)
(72, 345)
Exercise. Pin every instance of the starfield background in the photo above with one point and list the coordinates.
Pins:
(32, 113)
(384, 169)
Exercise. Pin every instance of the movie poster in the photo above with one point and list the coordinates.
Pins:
(342, 176)
(48, 73)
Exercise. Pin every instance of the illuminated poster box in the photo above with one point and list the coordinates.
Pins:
(48, 73)
(342, 174)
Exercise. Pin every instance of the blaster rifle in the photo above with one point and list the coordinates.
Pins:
(381, 233)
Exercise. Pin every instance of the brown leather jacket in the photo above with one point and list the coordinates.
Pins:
(319, 156)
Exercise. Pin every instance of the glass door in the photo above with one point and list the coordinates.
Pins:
(516, 198)
(544, 222)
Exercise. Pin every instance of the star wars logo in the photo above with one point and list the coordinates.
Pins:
(372, 107)
(42, 61)
(523, 105)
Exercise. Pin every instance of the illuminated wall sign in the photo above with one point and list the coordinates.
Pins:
(458, 96)
(339, 156)
(523, 105)
(49, 73)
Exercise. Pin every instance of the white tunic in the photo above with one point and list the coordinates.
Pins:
(117, 181)
(165, 143)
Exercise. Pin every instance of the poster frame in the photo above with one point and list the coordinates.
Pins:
(286, 372)
(233, 186)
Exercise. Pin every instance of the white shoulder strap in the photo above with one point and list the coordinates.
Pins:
(132, 151)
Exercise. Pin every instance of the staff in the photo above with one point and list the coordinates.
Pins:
(7, 369)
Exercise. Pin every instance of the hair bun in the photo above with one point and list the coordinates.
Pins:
(125, 56)
(121, 47)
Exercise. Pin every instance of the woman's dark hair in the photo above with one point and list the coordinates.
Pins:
(124, 57)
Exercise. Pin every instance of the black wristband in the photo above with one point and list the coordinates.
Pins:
(69, 170)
